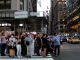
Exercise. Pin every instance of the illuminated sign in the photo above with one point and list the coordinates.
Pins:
(21, 14)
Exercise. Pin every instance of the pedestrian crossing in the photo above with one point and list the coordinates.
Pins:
(30, 59)
(24, 58)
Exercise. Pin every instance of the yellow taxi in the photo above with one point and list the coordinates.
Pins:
(73, 40)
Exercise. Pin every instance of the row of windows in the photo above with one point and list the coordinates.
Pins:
(8, 6)
(5, 4)
(62, 2)
(6, 14)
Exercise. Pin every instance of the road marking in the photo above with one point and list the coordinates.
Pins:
(24, 58)
(30, 59)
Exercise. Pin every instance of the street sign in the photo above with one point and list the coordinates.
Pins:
(21, 14)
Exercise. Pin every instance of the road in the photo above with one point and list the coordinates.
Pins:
(69, 52)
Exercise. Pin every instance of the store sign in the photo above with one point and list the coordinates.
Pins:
(33, 13)
(21, 14)
(40, 14)
(25, 14)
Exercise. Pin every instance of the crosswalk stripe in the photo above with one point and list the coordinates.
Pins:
(24, 58)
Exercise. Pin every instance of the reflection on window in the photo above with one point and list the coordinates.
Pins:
(5, 4)
(1, 2)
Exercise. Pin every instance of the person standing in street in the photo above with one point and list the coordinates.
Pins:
(32, 45)
(38, 44)
(45, 45)
(12, 44)
(0, 44)
(23, 46)
(28, 42)
(3, 44)
(18, 47)
(56, 40)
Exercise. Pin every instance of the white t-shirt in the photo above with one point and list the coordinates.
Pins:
(12, 40)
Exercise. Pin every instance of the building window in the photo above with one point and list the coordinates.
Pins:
(3, 14)
(0, 14)
(7, 14)
(11, 14)
(8, 2)
(21, 0)
(60, 2)
(8, 6)
(21, 7)
(5, 4)
(1, 2)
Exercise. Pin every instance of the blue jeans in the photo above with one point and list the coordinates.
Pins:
(57, 50)
(0, 49)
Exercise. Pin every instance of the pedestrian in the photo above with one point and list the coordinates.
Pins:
(23, 46)
(38, 44)
(3, 44)
(28, 42)
(18, 46)
(12, 45)
(32, 45)
(56, 40)
(0, 43)
(45, 45)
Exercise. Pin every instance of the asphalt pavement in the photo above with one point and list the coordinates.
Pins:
(69, 52)
(25, 58)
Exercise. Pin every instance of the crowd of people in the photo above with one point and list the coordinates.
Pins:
(27, 45)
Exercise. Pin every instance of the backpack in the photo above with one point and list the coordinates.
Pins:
(27, 43)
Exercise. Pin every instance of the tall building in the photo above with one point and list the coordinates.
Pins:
(15, 4)
(73, 17)
(7, 12)
(59, 12)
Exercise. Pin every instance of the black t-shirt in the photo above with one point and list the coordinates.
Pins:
(38, 41)
(45, 42)
(22, 40)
